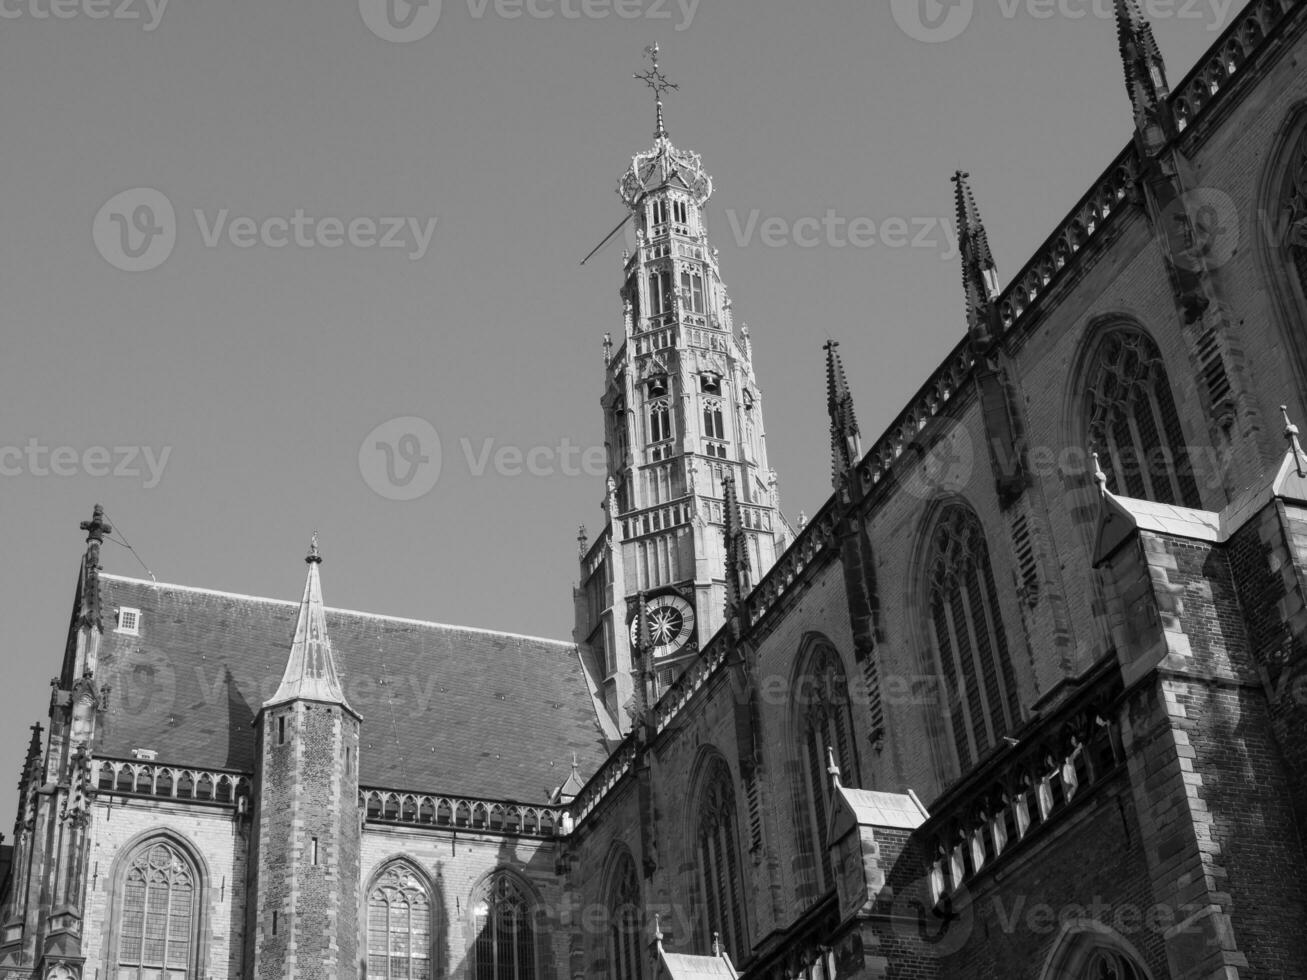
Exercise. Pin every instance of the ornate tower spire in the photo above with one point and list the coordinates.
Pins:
(683, 413)
(1145, 76)
(311, 670)
(846, 443)
(979, 271)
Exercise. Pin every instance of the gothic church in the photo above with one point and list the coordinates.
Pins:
(1025, 700)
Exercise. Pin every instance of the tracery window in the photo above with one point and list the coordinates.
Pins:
(159, 917)
(660, 422)
(505, 947)
(967, 633)
(660, 292)
(1110, 965)
(624, 954)
(399, 927)
(714, 422)
(692, 291)
(720, 891)
(1132, 422)
(823, 721)
(1293, 215)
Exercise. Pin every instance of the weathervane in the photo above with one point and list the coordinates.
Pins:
(657, 81)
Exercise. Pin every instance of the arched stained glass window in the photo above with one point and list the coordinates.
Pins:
(823, 721)
(159, 916)
(1132, 422)
(624, 954)
(399, 927)
(966, 628)
(505, 946)
(720, 889)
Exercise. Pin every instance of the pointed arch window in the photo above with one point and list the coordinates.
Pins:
(714, 420)
(1293, 212)
(720, 890)
(624, 952)
(505, 947)
(399, 927)
(660, 292)
(660, 422)
(1106, 964)
(966, 629)
(159, 917)
(692, 290)
(823, 720)
(1132, 423)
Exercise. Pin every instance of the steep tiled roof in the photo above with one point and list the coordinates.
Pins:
(445, 709)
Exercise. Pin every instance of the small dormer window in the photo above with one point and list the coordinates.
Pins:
(129, 621)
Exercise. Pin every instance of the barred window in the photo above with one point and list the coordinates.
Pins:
(1132, 422)
(505, 946)
(720, 890)
(399, 927)
(823, 721)
(160, 917)
(624, 954)
(966, 628)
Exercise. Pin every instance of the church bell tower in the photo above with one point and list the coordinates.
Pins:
(682, 417)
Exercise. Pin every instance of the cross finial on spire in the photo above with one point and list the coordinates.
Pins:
(314, 557)
(1291, 434)
(97, 527)
(657, 81)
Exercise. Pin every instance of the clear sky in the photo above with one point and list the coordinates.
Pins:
(260, 371)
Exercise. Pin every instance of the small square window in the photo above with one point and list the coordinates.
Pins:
(129, 621)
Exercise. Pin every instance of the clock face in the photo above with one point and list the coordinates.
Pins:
(671, 624)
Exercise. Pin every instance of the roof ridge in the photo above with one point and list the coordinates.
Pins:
(569, 644)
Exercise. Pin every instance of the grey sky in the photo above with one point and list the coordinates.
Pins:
(261, 370)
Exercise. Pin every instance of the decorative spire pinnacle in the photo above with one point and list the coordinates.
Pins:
(658, 931)
(1145, 74)
(832, 767)
(738, 565)
(979, 271)
(1291, 435)
(311, 669)
(97, 528)
(1099, 476)
(582, 540)
(657, 81)
(846, 444)
(717, 944)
